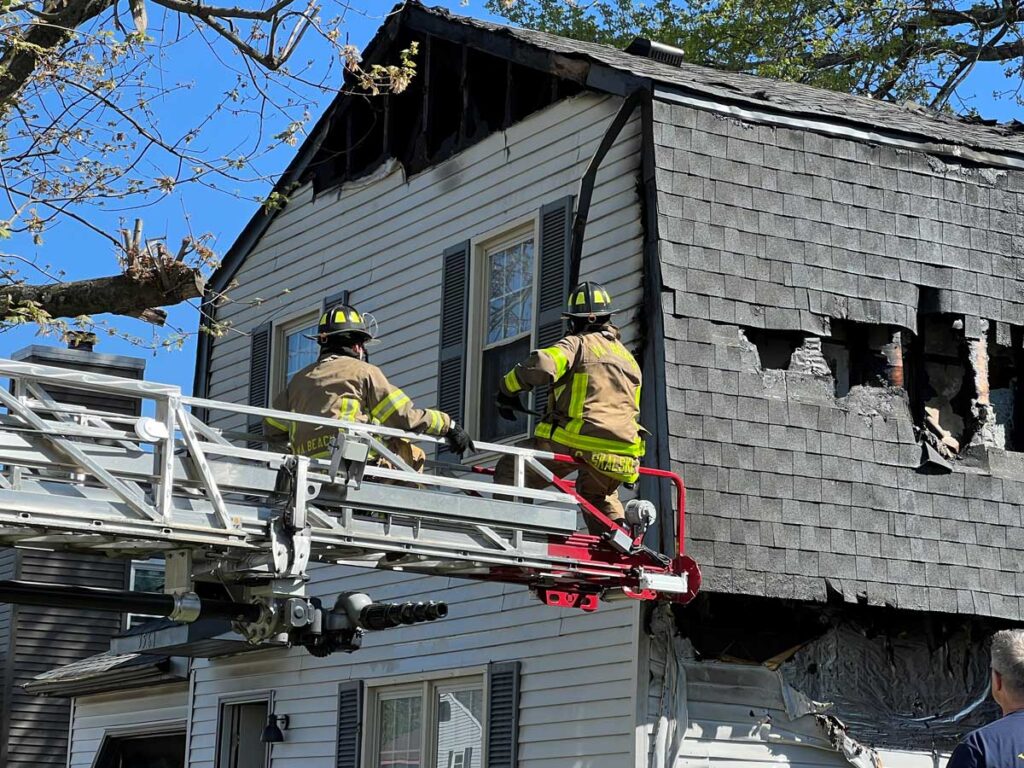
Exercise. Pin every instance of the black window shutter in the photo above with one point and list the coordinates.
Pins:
(338, 297)
(503, 714)
(451, 366)
(553, 287)
(350, 724)
(259, 377)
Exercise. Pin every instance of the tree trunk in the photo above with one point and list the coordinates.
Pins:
(130, 294)
(48, 32)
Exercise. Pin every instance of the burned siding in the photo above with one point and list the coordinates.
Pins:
(800, 272)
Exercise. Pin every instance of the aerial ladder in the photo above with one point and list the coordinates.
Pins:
(224, 509)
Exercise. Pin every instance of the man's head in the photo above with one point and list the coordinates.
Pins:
(343, 328)
(1008, 669)
(589, 305)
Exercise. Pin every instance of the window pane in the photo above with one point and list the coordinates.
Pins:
(147, 577)
(400, 721)
(460, 728)
(510, 291)
(497, 361)
(300, 351)
(241, 726)
(495, 320)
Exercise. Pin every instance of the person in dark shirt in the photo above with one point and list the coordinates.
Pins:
(999, 744)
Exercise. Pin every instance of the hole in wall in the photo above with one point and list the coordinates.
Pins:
(774, 348)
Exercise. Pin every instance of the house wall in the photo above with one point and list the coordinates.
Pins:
(737, 716)
(383, 241)
(143, 710)
(789, 485)
(33, 730)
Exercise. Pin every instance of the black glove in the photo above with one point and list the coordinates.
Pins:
(509, 406)
(459, 440)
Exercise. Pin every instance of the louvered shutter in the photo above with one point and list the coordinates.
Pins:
(502, 714)
(259, 377)
(451, 366)
(553, 254)
(350, 724)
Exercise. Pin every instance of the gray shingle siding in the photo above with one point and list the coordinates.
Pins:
(788, 485)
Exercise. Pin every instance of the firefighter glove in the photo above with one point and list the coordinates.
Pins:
(508, 406)
(459, 440)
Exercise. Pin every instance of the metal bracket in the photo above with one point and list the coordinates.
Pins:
(558, 598)
(352, 456)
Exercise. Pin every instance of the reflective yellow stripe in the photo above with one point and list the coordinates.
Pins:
(276, 424)
(576, 403)
(593, 444)
(436, 423)
(637, 397)
(560, 360)
(349, 409)
(512, 382)
(386, 407)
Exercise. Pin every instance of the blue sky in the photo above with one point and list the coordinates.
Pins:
(223, 214)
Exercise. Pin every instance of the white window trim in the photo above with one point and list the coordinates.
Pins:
(424, 684)
(249, 697)
(145, 565)
(135, 730)
(280, 328)
(525, 227)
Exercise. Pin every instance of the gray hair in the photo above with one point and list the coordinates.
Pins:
(1008, 658)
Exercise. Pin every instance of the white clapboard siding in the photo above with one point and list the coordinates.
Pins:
(135, 711)
(725, 703)
(383, 241)
(578, 683)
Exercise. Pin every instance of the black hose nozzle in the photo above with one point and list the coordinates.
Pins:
(388, 615)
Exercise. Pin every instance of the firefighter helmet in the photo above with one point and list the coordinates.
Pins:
(588, 301)
(344, 320)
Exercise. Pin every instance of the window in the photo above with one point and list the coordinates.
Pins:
(163, 750)
(300, 350)
(433, 724)
(508, 294)
(144, 576)
(241, 726)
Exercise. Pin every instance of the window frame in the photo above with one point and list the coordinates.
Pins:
(251, 697)
(281, 329)
(426, 685)
(139, 731)
(145, 565)
(524, 228)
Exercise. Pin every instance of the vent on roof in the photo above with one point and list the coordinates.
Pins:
(650, 49)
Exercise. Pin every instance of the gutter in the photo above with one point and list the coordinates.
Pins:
(654, 405)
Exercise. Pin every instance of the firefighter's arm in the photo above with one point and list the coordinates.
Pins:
(391, 407)
(543, 366)
(274, 430)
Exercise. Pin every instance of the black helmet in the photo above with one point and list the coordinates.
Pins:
(588, 301)
(343, 320)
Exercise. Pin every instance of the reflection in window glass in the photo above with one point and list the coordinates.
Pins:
(509, 329)
(509, 292)
(144, 576)
(460, 727)
(301, 351)
(400, 721)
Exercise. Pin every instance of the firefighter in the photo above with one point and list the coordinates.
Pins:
(342, 384)
(594, 407)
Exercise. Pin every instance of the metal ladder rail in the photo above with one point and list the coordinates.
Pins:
(170, 407)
